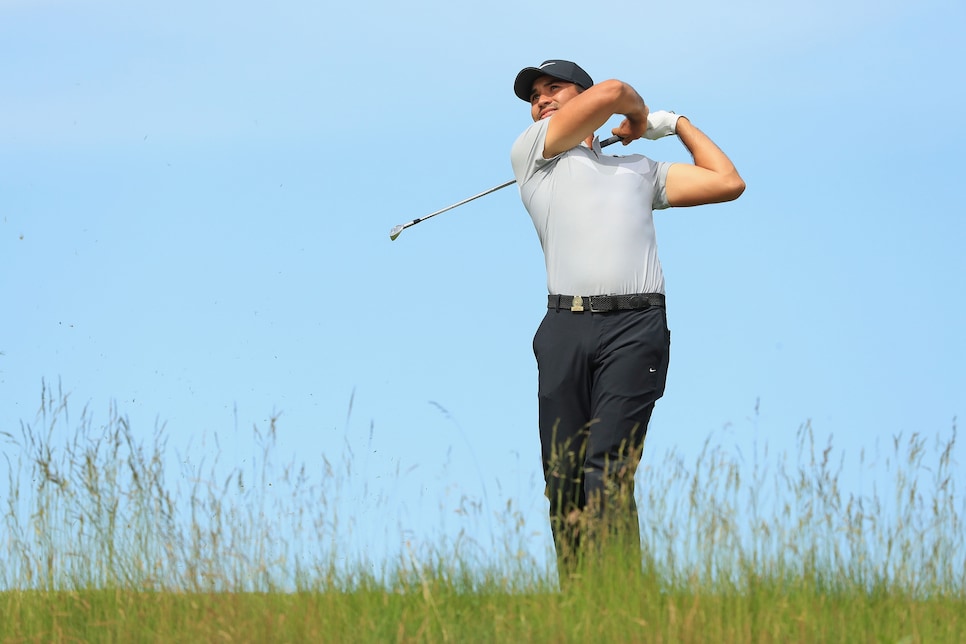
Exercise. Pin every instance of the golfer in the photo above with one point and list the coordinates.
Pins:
(602, 348)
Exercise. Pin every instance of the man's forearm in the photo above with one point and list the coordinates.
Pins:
(703, 150)
(712, 178)
(628, 103)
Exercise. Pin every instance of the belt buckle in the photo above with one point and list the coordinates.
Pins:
(577, 305)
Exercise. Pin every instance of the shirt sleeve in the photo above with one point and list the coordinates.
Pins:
(526, 155)
(659, 202)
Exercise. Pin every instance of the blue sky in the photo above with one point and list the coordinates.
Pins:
(195, 201)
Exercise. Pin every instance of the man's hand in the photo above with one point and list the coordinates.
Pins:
(661, 124)
(632, 128)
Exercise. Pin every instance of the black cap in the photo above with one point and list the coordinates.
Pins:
(562, 69)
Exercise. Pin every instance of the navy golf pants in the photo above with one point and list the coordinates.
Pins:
(599, 377)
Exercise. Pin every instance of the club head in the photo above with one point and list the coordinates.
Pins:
(395, 231)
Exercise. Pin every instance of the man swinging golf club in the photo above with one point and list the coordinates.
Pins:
(602, 349)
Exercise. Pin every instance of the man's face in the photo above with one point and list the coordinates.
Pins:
(549, 94)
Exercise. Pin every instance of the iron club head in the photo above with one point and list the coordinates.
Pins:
(396, 230)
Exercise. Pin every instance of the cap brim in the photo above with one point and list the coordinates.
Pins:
(523, 85)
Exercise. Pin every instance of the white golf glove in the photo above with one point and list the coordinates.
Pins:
(661, 124)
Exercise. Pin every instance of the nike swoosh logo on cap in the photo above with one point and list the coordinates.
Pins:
(545, 64)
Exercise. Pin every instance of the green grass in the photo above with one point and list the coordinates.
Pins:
(441, 612)
(97, 545)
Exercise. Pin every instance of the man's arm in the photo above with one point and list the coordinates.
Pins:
(712, 178)
(580, 117)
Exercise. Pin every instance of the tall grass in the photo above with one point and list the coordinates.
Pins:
(103, 540)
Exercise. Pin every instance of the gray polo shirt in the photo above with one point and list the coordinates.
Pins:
(593, 215)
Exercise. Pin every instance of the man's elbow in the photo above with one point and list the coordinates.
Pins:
(732, 187)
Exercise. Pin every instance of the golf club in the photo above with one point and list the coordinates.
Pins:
(397, 230)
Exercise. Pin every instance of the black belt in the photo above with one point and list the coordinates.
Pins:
(604, 303)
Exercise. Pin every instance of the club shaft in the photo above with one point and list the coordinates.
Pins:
(398, 229)
(467, 200)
